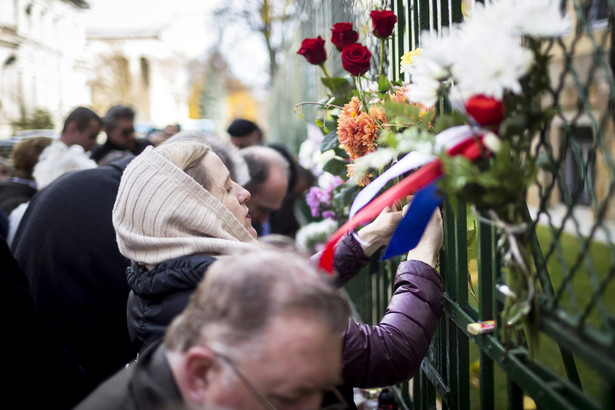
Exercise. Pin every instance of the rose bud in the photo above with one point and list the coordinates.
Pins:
(313, 49)
(342, 34)
(383, 22)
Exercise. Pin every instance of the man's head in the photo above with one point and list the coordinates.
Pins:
(268, 183)
(244, 133)
(25, 155)
(81, 127)
(120, 126)
(263, 327)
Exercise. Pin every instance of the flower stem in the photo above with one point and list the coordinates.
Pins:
(360, 90)
(329, 78)
(381, 57)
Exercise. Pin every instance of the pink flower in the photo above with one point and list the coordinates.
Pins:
(317, 198)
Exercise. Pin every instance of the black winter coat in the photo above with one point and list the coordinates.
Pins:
(66, 246)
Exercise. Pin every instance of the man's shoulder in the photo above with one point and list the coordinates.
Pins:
(115, 393)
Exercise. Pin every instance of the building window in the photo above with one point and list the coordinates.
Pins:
(578, 170)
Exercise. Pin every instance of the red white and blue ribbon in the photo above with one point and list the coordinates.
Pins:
(459, 140)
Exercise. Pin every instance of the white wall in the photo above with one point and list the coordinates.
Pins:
(48, 70)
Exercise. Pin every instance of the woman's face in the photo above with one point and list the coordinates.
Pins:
(227, 191)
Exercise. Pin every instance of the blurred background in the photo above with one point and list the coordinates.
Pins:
(193, 62)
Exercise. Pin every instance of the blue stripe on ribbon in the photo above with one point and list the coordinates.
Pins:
(411, 228)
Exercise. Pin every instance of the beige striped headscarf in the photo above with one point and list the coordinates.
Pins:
(161, 213)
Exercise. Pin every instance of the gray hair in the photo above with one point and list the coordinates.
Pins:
(241, 294)
(260, 159)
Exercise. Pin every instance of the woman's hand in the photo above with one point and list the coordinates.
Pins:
(429, 246)
(379, 232)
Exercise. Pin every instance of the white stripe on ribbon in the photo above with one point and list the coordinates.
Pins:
(413, 160)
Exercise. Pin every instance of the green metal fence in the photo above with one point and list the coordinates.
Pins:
(571, 212)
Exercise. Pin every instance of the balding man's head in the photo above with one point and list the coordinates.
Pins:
(268, 183)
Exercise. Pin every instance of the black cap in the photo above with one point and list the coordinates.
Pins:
(241, 128)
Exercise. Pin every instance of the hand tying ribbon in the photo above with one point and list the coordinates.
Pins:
(457, 140)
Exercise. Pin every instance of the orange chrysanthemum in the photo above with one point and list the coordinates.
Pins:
(363, 180)
(400, 95)
(356, 130)
(378, 114)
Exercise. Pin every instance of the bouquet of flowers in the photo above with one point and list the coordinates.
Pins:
(364, 109)
(492, 71)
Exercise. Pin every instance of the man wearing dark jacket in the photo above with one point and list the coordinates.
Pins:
(263, 331)
(40, 372)
(66, 246)
(121, 140)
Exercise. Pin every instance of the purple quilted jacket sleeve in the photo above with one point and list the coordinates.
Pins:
(391, 352)
(348, 259)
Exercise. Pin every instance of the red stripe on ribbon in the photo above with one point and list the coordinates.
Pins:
(407, 186)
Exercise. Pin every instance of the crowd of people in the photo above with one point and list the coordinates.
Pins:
(160, 273)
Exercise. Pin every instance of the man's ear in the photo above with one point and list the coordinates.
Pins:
(198, 373)
(71, 127)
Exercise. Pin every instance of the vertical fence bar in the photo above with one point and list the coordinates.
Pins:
(487, 268)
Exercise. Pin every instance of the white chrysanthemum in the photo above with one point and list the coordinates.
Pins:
(309, 151)
(492, 62)
(411, 139)
(310, 236)
(427, 76)
(378, 159)
(535, 18)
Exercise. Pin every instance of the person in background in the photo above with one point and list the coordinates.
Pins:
(41, 372)
(262, 330)
(22, 186)
(121, 140)
(283, 220)
(66, 246)
(5, 170)
(245, 133)
(157, 136)
(268, 185)
(81, 127)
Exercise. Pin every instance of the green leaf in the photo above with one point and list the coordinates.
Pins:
(384, 84)
(335, 166)
(329, 142)
(446, 121)
(339, 86)
(345, 195)
(319, 122)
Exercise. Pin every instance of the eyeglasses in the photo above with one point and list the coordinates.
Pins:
(264, 401)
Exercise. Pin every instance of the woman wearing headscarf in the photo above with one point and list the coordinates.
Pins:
(177, 209)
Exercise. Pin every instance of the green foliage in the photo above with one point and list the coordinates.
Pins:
(335, 166)
(339, 86)
(38, 119)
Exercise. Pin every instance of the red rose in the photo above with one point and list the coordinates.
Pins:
(355, 59)
(313, 49)
(343, 34)
(383, 22)
(485, 110)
